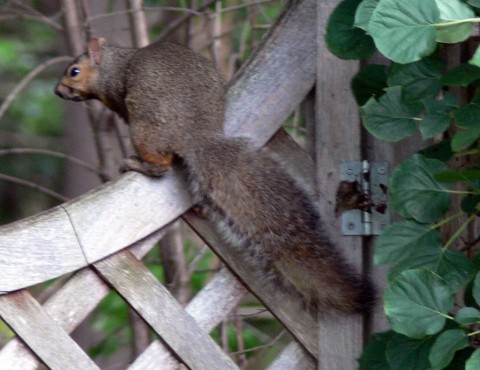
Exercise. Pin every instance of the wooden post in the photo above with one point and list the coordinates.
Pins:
(337, 140)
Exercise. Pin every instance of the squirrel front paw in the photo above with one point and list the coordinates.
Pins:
(135, 163)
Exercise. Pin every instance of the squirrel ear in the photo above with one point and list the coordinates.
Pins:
(94, 50)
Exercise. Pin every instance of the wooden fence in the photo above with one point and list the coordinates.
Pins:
(101, 237)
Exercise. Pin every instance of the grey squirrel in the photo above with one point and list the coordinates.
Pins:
(174, 102)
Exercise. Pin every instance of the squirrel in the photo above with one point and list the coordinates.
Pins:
(174, 103)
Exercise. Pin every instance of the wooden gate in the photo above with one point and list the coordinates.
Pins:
(101, 237)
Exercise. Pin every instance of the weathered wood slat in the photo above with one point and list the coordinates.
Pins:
(63, 307)
(209, 307)
(100, 218)
(46, 246)
(292, 357)
(49, 341)
(337, 140)
(26, 248)
(134, 282)
(278, 74)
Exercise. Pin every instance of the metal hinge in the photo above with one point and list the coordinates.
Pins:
(367, 209)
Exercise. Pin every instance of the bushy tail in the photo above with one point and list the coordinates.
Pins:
(323, 280)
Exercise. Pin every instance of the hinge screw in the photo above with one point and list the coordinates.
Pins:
(351, 226)
(381, 170)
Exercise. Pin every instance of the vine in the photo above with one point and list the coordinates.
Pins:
(432, 328)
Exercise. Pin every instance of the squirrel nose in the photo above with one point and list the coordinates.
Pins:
(56, 91)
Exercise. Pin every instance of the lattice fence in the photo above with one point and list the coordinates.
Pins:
(101, 237)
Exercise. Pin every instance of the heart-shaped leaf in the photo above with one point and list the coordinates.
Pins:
(445, 346)
(414, 191)
(417, 302)
(390, 118)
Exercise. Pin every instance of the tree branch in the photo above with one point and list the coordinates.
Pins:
(21, 85)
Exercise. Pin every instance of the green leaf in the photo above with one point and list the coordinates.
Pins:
(454, 33)
(459, 175)
(461, 140)
(454, 10)
(462, 75)
(476, 288)
(403, 29)
(467, 316)
(471, 204)
(414, 191)
(445, 346)
(475, 58)
(370, 81)
(473, 363)
(437, 118)
(441, 151)
(403, 239)
(390, 118)
(404, 353)
(364, 13)
(475, 3)
(468, 115)
(417, 302)
(460, 359)
(344, 40)
(453, 266)
(420, 80)
(373, 356)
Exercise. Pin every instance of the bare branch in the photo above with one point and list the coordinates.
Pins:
(52, 153)
(47, 21)
(138, 23)
(179, 21)
(32, 185)
(272, 342)
(241, 6)
(145, 8)
(28, 12)
(21, 85)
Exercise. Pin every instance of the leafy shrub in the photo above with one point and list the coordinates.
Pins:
(428, 330)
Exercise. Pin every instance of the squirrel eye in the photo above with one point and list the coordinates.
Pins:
(74, 71)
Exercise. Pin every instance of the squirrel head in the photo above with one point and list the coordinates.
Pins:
(80, 78)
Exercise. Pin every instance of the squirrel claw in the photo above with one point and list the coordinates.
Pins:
(132, 163)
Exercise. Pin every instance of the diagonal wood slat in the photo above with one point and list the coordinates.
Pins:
(208, 308)
(134, 282)
(63, 307)
(49, 341)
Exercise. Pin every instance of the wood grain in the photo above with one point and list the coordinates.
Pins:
(337, 139)
(37, 249)
(292, 357)
(46, 338)
(63, 306)
(152, 301)
(286, 62)
(209, 307)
